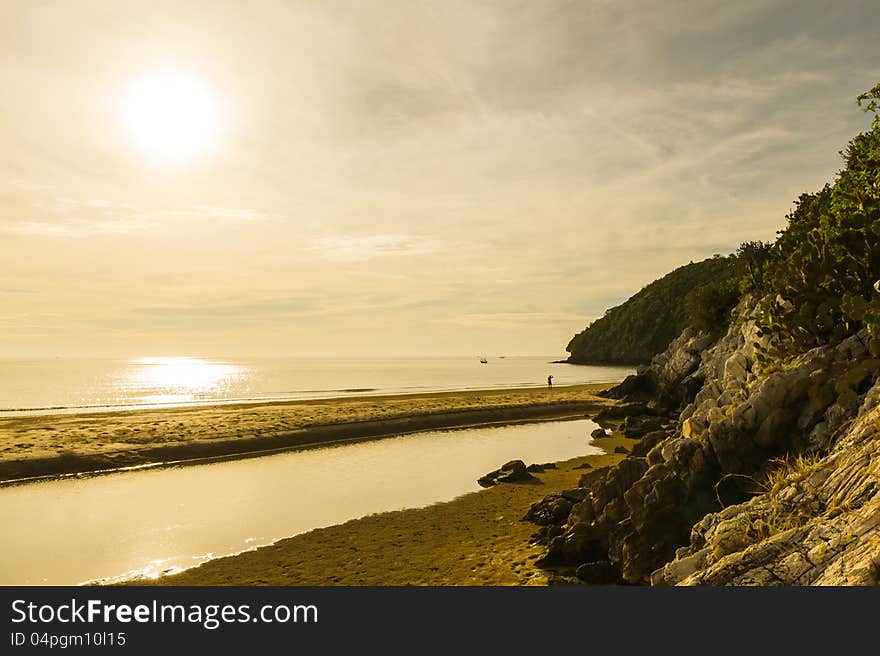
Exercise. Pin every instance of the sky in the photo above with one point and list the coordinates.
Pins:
(396, 178)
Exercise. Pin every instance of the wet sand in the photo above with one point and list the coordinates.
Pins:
(51, 445)
(476, 539)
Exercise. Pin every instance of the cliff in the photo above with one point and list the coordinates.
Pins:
(756, 459)
(753, 473)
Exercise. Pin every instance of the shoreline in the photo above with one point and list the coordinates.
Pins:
(477, 538)
(37, 447)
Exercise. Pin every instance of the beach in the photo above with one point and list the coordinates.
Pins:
(475, 539)
(60, 444)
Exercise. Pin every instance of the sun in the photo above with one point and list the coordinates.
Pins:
(172, 116)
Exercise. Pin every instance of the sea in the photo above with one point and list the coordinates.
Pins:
(63, 385)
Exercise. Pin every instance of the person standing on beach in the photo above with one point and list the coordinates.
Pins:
(550, 381)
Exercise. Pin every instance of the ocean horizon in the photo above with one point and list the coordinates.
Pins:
(64, 385)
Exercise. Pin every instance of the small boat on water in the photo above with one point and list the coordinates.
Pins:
(484, 361)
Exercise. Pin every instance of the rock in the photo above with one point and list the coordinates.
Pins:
(633, 387)
(560, 579)
(778, 423)
(575, 495)
(649, 441)
(835, 416)
(736, 368)
(513, 468)
(593, 477)
(674, 370)
(819, 438)
(536, 468)
(554, 530)
(685, 507)
(577, 545)
(510, 472)
(693, 427)
(600, 572)
(635, 427)
(582, 512)
(621, 449)
(622, 410)
(585, 465)
(852, 347)
(598, 433)
(822, 525)
(553, 509)
(678, 570)
(613, 482)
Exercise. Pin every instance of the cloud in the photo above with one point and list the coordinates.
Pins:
(220, 315)
(446, 170)
(49, 216)
(360, 248)
(510, 319)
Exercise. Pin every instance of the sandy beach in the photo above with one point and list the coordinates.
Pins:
(50, 445)
(476, 539)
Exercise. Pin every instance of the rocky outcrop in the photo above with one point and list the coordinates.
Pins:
(817, 522)
(692, 503)
(670, 381)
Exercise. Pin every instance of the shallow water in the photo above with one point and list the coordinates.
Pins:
(69, 531)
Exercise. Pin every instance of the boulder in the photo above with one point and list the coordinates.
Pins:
(593, 477)
(553, 509)
(636, 427)
(538, 468)
(577, 545)
(598, 433)
(514, 471)
(634, 387)
(649, 441)
(575, 495)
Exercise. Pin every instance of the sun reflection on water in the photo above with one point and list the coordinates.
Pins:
(168, 380)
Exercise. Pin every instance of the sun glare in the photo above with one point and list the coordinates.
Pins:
(181, 379)
(172, 117)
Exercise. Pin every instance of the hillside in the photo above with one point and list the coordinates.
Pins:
(634, 332)
(756, 453)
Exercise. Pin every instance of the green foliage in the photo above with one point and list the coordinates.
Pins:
(708, 307)
(753, 258)
(632, 333)
(869, 100)
(820, 281)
